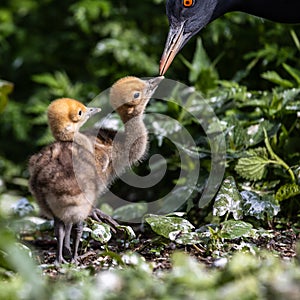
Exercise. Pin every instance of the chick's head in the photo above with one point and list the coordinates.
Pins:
(130, 95)
(66, 116)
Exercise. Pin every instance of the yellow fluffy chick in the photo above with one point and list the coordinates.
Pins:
(53, 181)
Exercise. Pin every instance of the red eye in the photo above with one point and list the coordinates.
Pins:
(188, 3)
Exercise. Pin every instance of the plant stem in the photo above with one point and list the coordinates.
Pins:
(277, 159)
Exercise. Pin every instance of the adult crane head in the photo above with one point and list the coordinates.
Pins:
(188, 17)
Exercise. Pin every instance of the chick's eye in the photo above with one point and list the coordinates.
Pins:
(80, 113)
(136, 95)
(188, 3)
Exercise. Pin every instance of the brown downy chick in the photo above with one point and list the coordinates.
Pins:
(129, 97)
(115, 151)
(53, 181)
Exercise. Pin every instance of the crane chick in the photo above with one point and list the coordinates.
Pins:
(53, 181)
(67, 176)
(115, 151)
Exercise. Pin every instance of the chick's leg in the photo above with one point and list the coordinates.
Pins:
(77, 233)
(67, 244)
(59, 229)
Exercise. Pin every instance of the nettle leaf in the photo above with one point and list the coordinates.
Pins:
(287, 191)
(259, 206)
(163, 225)
(233, 229)
(254, 165)
(228, 200)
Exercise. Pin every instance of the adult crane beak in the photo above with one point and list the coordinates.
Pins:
(175, 41)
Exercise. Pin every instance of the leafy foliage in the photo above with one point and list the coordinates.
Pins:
(287, 191)
(165, 226)
(228, 200)
(246, 70)
(5, 89)
(257, 206)
(253, 166)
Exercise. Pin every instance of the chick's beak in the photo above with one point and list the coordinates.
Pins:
(175, 41)
(153, 83)
(92, 111)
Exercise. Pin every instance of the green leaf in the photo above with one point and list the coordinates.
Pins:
(228, 200)
(237, 136)
(5, 89)
(293, 106)
(233, 229)
(255, 133)
(163, 225)
(100, 232)
(32, 225)
(129, 231)
(130, 212)
(295, 73)
(287, 191)
(202, 72)
(259, 206)
(187, 238)
(276, 78)
(253, 166)
(201, 61)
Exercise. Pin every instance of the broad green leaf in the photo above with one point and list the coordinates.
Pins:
(163, 225)
(233, 229)
(287, 191)
(187, 238)
(130, 212)
(106, 208)
(254, 165)
(7, 203)
(32, 225)
(259, 206)
(228, 200)
(101, 232)
(276, 78)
